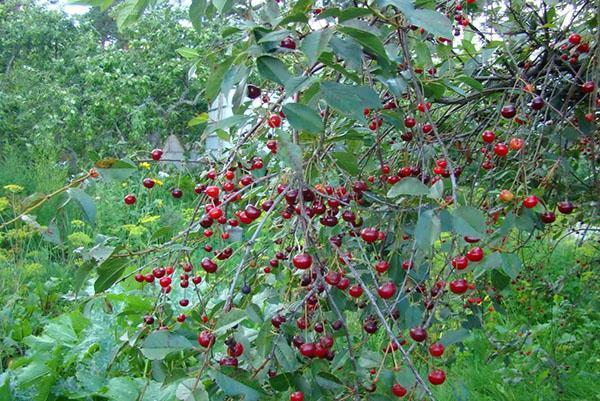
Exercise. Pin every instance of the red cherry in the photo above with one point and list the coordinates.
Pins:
(343, 284)
(369, 234)
(508, 111)
(130, 199)
(530, 201)
(583, 48)
(297, 396)
(302, 261)
(459, 286)
(427, 128)
(387, 290)
(156, 154)
(547, 217)
(274, 121)
(236, 350)
(212, 191)
(253, 91)
(436, 377)
(308, 350)
(488, 136)
(418, 334)
(588, 87)
(537, 103)
(410, 122)
(574, 38)
(398, 390)
(177, 193)
(436, 349)
(288, 43)
(460, 262)
(516, 143)
(407, 264)
(215, 212)
(501, 149)
(566, 207)
(355, 291)
(475, 254)
(381, 266)
(206, 339)
(148, 183)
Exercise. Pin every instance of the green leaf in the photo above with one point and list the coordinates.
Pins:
(408, 186)
(471, 82)
(290, 152)
(191, 390)
(129, 11)
(229, 320)
(347, 161)
(349, 99)
(347, 50)
(511, 264)
(115, 170)
(187, 53)
(109, 272)
(303, 117)
(427, 230)
(196, 12)
(237, 386)
(223, 6)
(469, 221)
(353, 12)
(161, 343)
(85, 202)
(275, 36)
(286, 357)
(122, 389)
(436, 191)
(298, 84)
(431, 21)
(328, 381)
(367, 39)
(213, 85)
(423, 54)
(273, 69)
(455, 336)
(315, 43)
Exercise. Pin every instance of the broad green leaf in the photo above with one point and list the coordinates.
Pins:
(191, 390)
(511, 264)
(229, 320)
(161, 343)
(469, 221)
(408, 186)
(188, 53)
(471, 82)
(109, 272)
(112, 169)
(367, 39)
(298, 84)
(315, 43)
(122, 389)
(213, 85)
(347, 50)
(353, 12)
(328, 381)
(455, 336)
(290, 152)
(432, 21)
(129, 11)
(347, 161)
(196, 13)
(349, 99)
(273, 69)
(236, 386)
(303, 117)
(436, 191)
(427, 230)
(423, 54)
(223, 6)
(275, 36)
(286, 357)
(85, 202)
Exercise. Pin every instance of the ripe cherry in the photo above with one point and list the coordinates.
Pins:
(297, 396)
(387, 290)
(355, 291)
(206, 339)
(475, 254)
(236, 350)
(369, 234)
(501, 149)
(410, 122)
(530, 202)
(436, 377)
(381, 266)
(130, 199)
(302, 261)
(253, 91)
(308, 350)
(177, 193)
(459, 286)
(460, 262)
(588, 87)
(436, 350)
(418, 334)
(547, 217)
(508, 111)
(488, 136)
(566, 207)
(148, 183)
(212, 191)
(398, 390)
(516, 143)
(288, 43)
(156, 154)
(574, 38)
(537, 103)
(274, 121)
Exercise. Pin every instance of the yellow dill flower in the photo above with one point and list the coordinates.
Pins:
(157, 181)
(78, 223)
(149, 219)
(4, 203)
(79, 239)
(134, 230)
(14, 188)
(145, 165)
(159, 203)
(31, 269)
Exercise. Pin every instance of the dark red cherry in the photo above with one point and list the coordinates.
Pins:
(508, 111)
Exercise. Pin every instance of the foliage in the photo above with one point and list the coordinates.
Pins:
(360, 208)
